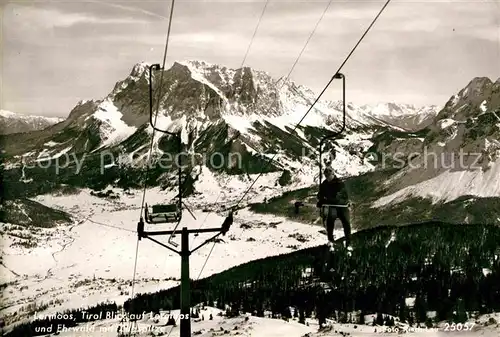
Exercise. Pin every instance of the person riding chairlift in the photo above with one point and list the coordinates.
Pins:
(332, 191)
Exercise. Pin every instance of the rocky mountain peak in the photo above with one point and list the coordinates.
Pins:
(139, 69)
(82, 109)
(204, 67)
(242, 91)
(472, 100)
(180, 69)
(476, 87)
(479, 82)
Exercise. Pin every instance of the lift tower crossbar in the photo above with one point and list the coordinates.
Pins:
(185, 252)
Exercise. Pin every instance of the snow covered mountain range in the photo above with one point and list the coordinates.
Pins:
(223, 112)
(457, 155)
(227, 111)
(405, 116)
(11, 122)
(245, 112)
(217, 110)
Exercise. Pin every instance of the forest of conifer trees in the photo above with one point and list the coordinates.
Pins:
(453, 270)
(449, 269)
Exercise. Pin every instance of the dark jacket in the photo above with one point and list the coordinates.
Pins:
(332, 192)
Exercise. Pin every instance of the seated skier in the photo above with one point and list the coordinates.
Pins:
(332, 191)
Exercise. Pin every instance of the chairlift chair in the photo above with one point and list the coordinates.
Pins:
(162, 213)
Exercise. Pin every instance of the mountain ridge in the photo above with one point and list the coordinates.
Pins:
(11, 122)
(457, 155)
(215, 116)
(129, 102)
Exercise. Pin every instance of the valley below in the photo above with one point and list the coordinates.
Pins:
(92, 260)
(69, 238)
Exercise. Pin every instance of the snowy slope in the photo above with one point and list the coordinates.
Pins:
(114, 130)
(101, 246)
(251, 326)
(451, 185)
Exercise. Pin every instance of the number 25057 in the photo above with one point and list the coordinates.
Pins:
(458, 326)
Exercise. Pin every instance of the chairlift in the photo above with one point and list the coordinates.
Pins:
(332, 153)
(162, 213)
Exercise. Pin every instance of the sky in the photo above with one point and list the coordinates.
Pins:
(56, 53)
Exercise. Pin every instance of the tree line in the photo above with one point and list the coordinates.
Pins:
(453, 270)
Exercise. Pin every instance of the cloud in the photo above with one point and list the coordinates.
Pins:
(415, 49)
(36, 17)
(131, 9)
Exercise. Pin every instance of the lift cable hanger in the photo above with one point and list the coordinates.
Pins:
(171, 213)
(335, 76)
(163, 213)
(323, 140)
(328, 163)
(150, 152)
(335, 134)
(285, 79)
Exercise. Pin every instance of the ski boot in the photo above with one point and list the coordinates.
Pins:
(331, 246)
(330, 249)
(348, 249)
